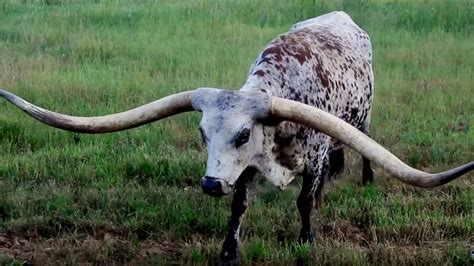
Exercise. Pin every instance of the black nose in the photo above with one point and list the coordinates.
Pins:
(215, 187)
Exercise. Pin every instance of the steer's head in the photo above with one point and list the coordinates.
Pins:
(231, 127)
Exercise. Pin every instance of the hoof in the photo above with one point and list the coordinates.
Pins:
(228, 259)
(233, 262)
(306, 237)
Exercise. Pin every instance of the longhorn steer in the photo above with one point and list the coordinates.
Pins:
(309, 92)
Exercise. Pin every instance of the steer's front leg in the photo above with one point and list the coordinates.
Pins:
(230, 249)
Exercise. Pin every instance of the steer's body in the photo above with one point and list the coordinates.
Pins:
(325, 62)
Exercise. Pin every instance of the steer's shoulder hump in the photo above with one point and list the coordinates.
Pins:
(334, 18)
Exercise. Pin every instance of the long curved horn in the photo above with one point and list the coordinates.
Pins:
(331, 125)
(164, 107)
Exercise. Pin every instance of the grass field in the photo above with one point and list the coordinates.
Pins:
(134, 196)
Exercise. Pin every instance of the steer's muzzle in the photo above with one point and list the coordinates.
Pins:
(215, 187)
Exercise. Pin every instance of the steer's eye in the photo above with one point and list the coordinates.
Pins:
(242, 138)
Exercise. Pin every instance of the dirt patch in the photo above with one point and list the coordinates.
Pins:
(15, 247)
(345, 230)
(149, 249)
(101, 247)
(461, 126)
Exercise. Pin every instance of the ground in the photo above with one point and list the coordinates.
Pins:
(134, 196)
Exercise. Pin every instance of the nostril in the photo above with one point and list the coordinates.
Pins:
(209, 182)
(212, 186)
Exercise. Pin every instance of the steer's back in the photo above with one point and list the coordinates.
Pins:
(325, 62)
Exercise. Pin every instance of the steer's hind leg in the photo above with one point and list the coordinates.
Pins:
(336, 163)
(230, 249)
(367, 172)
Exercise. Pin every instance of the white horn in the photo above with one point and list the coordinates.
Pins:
(164, 107)
(331, 125)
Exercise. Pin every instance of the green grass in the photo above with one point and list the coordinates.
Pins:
(134, 196)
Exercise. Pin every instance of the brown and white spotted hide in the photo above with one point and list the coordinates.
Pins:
(325, 62)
